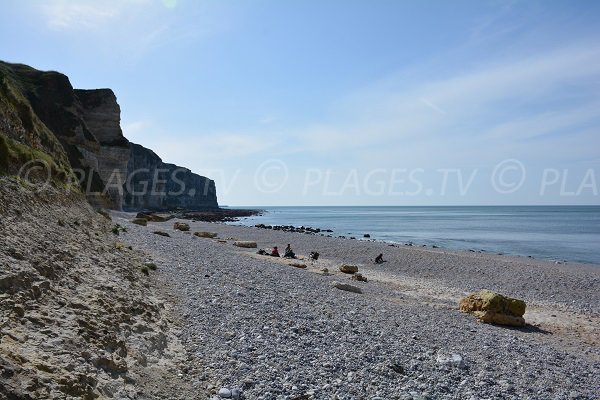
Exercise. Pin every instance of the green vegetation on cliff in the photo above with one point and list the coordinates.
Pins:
(52, 132)
(25, 142)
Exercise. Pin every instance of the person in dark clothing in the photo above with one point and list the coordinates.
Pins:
(289, 253)
(379, 259)
(275, 252)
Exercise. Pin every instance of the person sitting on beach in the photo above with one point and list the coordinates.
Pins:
(289, 253)
(275, 252)
(379, 259)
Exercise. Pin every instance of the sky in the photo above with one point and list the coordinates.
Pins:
(342, 102)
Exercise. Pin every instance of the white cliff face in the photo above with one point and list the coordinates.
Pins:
(135, 177)
(102, 116)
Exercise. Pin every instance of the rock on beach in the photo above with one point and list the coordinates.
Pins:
(279, 332)
(494, 308)
(245, 243)
(348, 269)
(346, 287)
(181, 226)
(204, 234)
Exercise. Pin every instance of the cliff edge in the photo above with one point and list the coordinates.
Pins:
(158, 186)
(76, 135)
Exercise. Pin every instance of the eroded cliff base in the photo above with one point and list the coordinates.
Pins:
(79, 316)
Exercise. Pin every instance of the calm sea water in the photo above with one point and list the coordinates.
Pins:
(569, 233)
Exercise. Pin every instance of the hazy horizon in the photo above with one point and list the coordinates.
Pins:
(342, 103)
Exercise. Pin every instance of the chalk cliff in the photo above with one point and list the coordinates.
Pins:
(42, 112)
(102, 115)
(155, 185)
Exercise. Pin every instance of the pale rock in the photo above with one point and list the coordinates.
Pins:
(453, 360)
(245, 243)
(348, 269)
(346, 287)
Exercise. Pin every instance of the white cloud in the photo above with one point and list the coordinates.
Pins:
(542, 124)
(134, 128)
(469, 118)
(125, 31)
(86, 14)
(463, 107)
(213, 149)
(433, 106)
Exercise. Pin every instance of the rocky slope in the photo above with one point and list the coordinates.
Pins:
(79, 319)
(80, 315)
(79, 131)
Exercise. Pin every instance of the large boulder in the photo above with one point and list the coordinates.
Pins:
(181, 226)
(349, 269)
(155, 217)
(140, 221)
(494, 308)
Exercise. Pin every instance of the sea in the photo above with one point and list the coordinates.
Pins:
(558, 233)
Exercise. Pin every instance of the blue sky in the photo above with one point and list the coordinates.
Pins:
(342, 102)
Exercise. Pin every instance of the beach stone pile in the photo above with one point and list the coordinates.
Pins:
(494, 308)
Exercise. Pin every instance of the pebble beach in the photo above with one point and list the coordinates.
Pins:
(256, 327)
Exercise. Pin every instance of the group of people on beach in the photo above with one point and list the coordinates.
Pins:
(289, 253)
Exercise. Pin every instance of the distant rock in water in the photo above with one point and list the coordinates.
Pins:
(154, 185)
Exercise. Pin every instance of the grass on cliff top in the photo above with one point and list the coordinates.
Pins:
(24, 77)
(22, 124)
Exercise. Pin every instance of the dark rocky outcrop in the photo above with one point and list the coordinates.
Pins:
(155, 185)
(77, 134)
